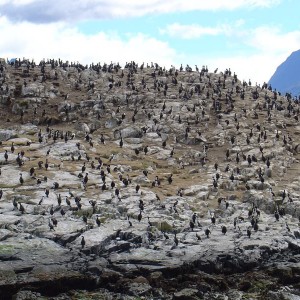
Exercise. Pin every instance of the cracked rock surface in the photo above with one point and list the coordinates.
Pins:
(125, 182)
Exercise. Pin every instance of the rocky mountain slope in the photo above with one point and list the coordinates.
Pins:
(118, 183)
(286, 78)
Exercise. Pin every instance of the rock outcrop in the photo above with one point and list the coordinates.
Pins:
(146, 182)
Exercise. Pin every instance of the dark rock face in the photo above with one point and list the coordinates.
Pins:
(286, 79)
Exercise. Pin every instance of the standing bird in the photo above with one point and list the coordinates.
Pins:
(12, 148)
(51, 211)
(176, 240)
(170, 179)
(41, 201)
(192, 225)
(21, 179)
(6, 156)
(249, 232)
(213, 219)
(21, 208)
(137, 188)
(82, 242)
(121, 143)
(51, 226)
(224, 230)
(140, 216)
(59, 199)
(129, 222)
(98, 221)
(207, 232)
(15, 203)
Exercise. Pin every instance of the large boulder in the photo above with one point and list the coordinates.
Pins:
(6, 134)
(128, 132)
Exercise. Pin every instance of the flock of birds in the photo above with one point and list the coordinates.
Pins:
(221, 94)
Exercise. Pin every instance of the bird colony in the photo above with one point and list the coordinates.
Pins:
(145, 181)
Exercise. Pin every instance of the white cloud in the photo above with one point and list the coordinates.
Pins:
(61, 41)
(17, 2)
(193, 31)
(49, 11)
(190, 31)
(271, 39)
(265, 47)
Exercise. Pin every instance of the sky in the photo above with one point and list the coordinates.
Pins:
(251, 37)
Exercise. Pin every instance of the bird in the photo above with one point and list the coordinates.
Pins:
(140, 216)
(176, 239)
(172, 152)
(213, 219)
(102, 140)
(207, 232)
(129, 222)
(21, 208)
(59, 199)
(146, 150)
(21, 179)
(68, 201)
(121, 143)
(98, 221)
(170, 179)
(82, 242)
(51, 227)
(137, 188)
(224, 229)
(192, 225)
(84, 218)
(51, 211)
(6, 156)
(165, 235)
(12, 148)
(255, 226)
(40, 202)
(249, 233)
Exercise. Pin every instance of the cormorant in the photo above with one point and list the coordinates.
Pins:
(192, 225)
(176, 240)
(21, 208)
(98, 221)
(21, 179)
(207, 232)
(249, 232)
(82, 242)
(224, 230)
(140, 216)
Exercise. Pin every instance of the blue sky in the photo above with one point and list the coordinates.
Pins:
(252, 37)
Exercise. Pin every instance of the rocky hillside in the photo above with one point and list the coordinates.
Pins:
(118, 183)
(286, 78)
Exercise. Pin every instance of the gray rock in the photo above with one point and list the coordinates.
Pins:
(128, 132)
(6, 134)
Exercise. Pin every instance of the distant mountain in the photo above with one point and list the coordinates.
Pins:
(287, 76)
